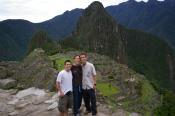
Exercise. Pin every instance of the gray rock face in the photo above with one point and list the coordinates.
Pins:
(7, 83)
(38, 102)
(36, 71)
(3, 72)
(6, 108)
(21, 105)
(30, 91)
(53, 106)
(15, 113)
(8, 68)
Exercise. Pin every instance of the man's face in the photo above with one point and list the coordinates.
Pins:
(83, 59)
(77, 59)
(67, 66)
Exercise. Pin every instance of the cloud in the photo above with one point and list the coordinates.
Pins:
(41, 10)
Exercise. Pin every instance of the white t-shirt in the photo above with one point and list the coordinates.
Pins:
(65, 79)
(88, 73)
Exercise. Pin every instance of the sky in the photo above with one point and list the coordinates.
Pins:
(41, 10)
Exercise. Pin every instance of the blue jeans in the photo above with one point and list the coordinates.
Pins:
(77, 98)
(90, 100)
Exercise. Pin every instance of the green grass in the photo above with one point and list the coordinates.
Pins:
(126, 103)
(59, 63)
(148, 113)
(107, 89)
(147, 92)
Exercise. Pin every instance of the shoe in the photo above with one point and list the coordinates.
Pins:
(78, 114)
(86, 112)
(80, 110)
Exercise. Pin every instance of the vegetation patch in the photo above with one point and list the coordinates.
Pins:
(59, 63)
(167, 107)
(147, 92)
(107, 89)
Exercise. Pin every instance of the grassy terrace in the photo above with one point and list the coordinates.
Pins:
(59, 61)
(107, 89)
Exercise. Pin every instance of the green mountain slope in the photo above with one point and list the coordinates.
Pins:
(156, 17)
(98, 32)
(41, 40)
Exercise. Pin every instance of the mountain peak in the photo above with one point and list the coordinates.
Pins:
(131, 1)
(152, 1)
(95, 16)
(96, 5)
(98, 32)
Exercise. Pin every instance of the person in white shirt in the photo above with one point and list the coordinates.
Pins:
(89, 85)
(64, 86)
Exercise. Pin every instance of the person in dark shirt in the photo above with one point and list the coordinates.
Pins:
(77, 85)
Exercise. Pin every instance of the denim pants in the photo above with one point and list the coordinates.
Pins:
(77, 98)
(90, 100)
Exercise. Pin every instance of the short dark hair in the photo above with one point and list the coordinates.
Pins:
(76, 56)
(83, 53)
(67, 61)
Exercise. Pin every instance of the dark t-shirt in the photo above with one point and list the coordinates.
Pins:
(77, 74)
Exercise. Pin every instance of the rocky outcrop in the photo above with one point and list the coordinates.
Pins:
(3, 72)
(38, 102)
(8, 68)
(36, 70)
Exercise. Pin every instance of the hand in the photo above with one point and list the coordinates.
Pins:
(61, 94)
(94, 87)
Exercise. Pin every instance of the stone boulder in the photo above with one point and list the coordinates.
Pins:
(3, 72)
(7, 83)
(30, 91)
(8, 68)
